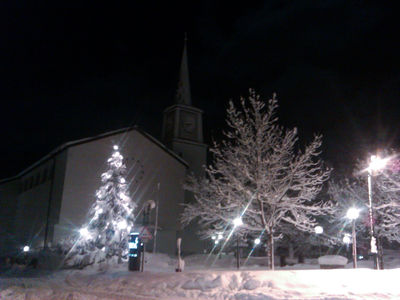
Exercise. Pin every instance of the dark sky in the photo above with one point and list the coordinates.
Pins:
(75, 69)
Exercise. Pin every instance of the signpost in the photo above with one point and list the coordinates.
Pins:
(145, 235)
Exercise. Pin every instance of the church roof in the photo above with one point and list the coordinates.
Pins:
(89, 139)
(183, 95)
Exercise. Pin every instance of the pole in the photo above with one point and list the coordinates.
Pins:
(156, 222)
(354, 238)
(371, 223)
(237, 252)
(142, 264)
(319, 244)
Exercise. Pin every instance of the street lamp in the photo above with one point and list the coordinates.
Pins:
(319, 230)
(236, 223)
(346, 238)
(352, 214)
(376, 164)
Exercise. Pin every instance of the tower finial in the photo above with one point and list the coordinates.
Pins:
(183, 93)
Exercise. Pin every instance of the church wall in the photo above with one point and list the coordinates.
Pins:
(8, 205)
(147, 164)
(32, 215)
(28, 204)
(33, 204)
(56, 190)
(194, 154)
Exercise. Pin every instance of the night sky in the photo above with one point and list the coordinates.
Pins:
(75, 69)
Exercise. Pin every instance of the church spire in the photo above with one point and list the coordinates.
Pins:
(183, 92)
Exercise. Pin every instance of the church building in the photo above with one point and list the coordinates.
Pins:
(49, 200)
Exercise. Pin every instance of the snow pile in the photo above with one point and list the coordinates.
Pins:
(160, 281)
(332, 260)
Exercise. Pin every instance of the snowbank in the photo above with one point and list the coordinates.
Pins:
(332, 260)
(159, 281)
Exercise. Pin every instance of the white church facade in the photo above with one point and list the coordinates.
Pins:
(47, 201)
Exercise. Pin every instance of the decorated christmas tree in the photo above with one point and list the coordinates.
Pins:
(110, 219)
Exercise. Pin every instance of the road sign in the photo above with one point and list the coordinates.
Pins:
(145, 234)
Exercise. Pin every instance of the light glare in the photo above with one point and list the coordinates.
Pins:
(352, 213)
(346, 239)
(122, 225)
(237, 221)
(84, 232)
(377, 163)
(318, 229)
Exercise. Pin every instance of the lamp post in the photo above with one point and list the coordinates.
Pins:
(376, 164)
(347, 240)
(319, 230)
(237, 222)
(352, 214)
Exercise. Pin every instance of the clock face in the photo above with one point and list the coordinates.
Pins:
(189, 123)
(135, 170)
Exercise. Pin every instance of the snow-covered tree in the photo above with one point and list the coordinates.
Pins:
(110, 218)
(348, 194)
(259, 174)
(385, 200)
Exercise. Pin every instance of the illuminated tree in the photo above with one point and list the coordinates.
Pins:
(259, 174)
(385, 199)
(106, 233)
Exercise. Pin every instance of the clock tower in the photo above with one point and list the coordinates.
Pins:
(182, 124)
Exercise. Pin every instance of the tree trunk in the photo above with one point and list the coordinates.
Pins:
(380, 253)
(291, 250)
(271, 252)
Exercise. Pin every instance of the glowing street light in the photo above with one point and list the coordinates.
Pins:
(26, 248)
(353, 214)
(375, 164)
(346, 238)
(257, 241)
(236, 223)
(319, 230)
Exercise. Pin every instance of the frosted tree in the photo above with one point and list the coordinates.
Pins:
(259, 174)
(110, 219)
(348, 194)
(385, 201)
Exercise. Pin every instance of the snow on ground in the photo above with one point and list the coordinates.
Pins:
(200, 281)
